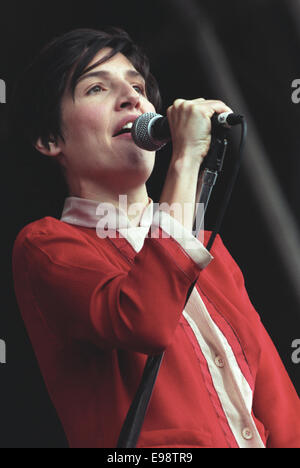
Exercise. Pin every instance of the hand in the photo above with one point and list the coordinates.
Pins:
(190, 125)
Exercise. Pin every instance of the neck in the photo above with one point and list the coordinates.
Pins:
(132, 202)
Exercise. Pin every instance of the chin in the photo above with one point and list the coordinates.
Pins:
(140, 166)
(142, 158)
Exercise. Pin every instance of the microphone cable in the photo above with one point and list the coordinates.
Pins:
(133, 423)
(228, 193)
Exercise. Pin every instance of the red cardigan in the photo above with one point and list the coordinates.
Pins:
(94, 309)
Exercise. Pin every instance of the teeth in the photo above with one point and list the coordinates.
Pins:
(128, 126)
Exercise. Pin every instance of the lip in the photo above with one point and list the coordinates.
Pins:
(124, 121)
(124, 136)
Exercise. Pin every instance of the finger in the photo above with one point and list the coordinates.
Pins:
(178, 102)
(218, 106)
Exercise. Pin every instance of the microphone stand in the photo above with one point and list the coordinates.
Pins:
(213, 164)
(132, 426)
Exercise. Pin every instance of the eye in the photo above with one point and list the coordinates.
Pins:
(139, 89)
(95, 90)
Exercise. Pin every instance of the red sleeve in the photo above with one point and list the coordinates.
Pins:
(276, 403)
(80, 295)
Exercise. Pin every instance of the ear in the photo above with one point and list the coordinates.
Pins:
(54, 149)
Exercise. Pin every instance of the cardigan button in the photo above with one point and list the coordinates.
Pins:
(219, 361)
(247, 433)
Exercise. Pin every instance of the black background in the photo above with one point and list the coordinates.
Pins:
(261, 42)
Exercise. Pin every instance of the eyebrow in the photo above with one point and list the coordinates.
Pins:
(106, 74)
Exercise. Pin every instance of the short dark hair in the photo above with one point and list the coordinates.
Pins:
(36, 101)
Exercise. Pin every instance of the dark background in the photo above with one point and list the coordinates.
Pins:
(262, 46)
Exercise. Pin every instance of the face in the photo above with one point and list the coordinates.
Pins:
(105, 99)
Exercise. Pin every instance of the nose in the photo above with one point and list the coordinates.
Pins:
(128, 97)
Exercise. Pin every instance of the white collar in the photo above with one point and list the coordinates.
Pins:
(88, 213)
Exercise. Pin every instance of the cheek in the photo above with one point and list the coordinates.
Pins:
(85, 121)
(148, 106)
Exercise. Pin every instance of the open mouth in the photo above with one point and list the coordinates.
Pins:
(125, 129)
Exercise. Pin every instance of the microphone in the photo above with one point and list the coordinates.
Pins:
(151, 131)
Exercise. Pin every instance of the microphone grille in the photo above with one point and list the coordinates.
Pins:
(141, 132)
